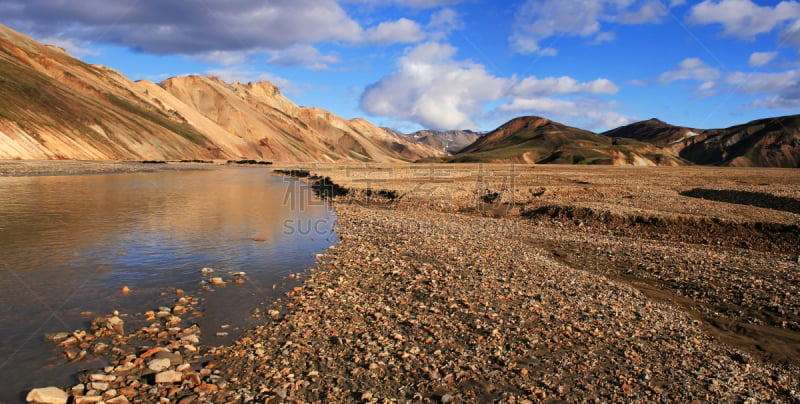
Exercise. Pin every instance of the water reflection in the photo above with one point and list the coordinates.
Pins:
(68, 244)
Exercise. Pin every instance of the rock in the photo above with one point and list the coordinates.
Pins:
(169, 376)
(206, 271)
(118, 400)
(101, 377)
(88, 399)
(173, 358)
(125, 290)
(188, 399)
(447, 398)
(158, 365)
(206, 388)
(191, 338)
(99, 386)
(216, 281)
(115, 324)
(47, 395)
(57, 337)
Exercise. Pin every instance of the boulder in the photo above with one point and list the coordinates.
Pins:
(47, 395)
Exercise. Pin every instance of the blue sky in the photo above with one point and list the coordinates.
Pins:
(456, 64)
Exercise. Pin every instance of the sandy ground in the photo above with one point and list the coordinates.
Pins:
(503, 283)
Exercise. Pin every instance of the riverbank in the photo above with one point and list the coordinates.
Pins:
(455, 284)
(28, 168)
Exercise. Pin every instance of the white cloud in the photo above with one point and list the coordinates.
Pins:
(758, 59)
(534, 87)
(743, 18)
(225, 58)
(543, 106)
(392, 32)
(73, 46)
(707, 86)
(753, 83)
(691, 69)
(541, 19)
(589, 113)
(432, 89)
(443, 22)
(603, 37)
(303, 55)
(170, 27)
(652, 11)
(791, 35)
(779, 90)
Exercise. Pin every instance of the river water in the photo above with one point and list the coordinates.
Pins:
(68, 244)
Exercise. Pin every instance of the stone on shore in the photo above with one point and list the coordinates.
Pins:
(158, 365)
(169, 376)
(47, 395)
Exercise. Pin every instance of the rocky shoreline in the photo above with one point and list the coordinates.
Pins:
(425, 303)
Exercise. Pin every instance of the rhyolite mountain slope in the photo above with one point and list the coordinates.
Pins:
(771, 142)
(53, 106)
(451, 141)
(534, 139)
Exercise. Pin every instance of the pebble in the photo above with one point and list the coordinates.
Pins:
(158, 365)
(169, 376)
(47, 395)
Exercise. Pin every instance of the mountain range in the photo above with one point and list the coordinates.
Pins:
(54, 106)
(771, 142)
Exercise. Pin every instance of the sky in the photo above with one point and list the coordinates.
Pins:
(456, 64)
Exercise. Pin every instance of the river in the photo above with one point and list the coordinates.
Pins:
(69, 244)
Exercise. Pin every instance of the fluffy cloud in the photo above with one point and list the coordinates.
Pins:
(534, 87)
(753, 83)
(779, 90)
(392, 32)
(443, 22)
(225, 58)
(585, 112)
(174, 26)
(73, 46)
(434, 90)
(540, 19)
(691, 69)
(758, 59)
(303, 55)
(743, 18)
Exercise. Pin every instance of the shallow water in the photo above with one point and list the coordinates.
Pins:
(68, 244)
